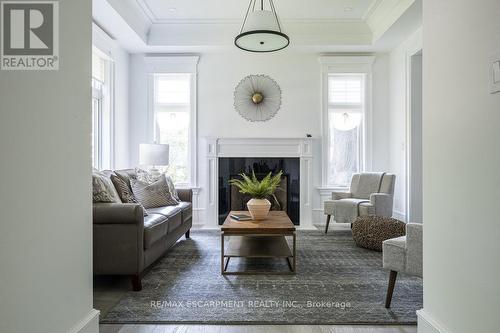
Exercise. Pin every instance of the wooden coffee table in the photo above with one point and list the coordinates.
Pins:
(258, 239)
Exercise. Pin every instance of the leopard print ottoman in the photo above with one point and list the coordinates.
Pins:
(370, 231)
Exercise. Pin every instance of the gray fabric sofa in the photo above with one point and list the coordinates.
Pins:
(126, 242)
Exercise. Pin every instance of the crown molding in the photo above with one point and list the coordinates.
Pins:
(154, 19)
(386, 13)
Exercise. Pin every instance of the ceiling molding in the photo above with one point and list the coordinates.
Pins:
(371, 9)
(304, 34)
(385, 15)
(154, 19)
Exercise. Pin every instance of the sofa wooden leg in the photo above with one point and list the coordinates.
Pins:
(327, 223)
(136, 282)
(390, 288)
(187, 234)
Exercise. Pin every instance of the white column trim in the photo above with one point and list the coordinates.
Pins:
(427, 324)
(88, 324)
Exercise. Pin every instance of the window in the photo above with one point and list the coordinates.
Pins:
(346, 110)
(102, 106)
(172, 122)
(98, 78)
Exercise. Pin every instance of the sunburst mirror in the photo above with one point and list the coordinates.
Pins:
(257, 98)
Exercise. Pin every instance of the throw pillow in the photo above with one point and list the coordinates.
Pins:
(103, 189)
(125, 193)
(148, 177)
(153, 195)
(172, 189)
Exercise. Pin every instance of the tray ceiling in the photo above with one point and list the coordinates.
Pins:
(160, 11)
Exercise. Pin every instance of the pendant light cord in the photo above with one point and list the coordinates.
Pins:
(271, 3)
(246, 16)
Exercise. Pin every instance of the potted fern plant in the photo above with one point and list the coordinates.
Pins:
(259, 205)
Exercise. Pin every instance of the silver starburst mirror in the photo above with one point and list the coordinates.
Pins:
(257, 98)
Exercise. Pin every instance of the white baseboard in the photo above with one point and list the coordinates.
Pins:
(89, 324)
(427, 324)
(399, 215)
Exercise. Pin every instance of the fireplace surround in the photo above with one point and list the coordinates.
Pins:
(259, 149)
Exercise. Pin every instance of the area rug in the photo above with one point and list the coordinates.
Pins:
(336, 283)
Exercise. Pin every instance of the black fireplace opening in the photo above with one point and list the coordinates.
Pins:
(286, 197)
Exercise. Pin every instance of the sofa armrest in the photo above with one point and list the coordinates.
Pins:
(341, 195)
(185, 194)
(382, 203)
(414, 245)
(118, 239)
(118, 213)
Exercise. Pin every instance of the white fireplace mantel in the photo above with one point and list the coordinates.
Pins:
(260, 147)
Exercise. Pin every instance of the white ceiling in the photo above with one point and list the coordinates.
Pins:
(202, 25)
(174, 10)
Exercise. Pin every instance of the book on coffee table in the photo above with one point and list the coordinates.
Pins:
(241, 217)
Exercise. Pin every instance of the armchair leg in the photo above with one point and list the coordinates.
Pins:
(390, 288)
(327, 223)
(136, 282)
(187, 234)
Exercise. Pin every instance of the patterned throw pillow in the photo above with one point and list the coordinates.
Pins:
(125, 193)
(153, 195)
(148, 177)
(103, 189)
(171, 188)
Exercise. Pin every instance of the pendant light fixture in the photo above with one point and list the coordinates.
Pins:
(261, 29)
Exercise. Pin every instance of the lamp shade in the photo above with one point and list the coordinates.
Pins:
(153, 154)
(261, 30)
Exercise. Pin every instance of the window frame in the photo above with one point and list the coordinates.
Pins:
(331, 65)
(97, 97)
(176, 65)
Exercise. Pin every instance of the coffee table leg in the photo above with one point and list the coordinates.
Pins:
(294, 252)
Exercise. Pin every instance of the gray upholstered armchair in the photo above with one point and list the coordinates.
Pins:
(369, 194)
(403, 254)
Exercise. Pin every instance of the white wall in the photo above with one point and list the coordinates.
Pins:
(461, 162)
(299, 76)
(46, 225)
(398, 117)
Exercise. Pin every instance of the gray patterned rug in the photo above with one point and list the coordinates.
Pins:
(336, 283)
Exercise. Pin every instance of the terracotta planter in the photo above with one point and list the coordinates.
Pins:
(258, 208)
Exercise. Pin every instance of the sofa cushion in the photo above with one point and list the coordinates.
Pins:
(174, 222)
(167, 211)
(155, 227)
(187, 210)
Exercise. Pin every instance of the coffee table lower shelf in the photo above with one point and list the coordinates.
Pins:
(257, 246)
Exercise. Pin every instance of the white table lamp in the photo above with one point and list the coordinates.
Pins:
(153, 154)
